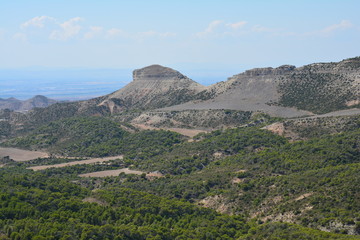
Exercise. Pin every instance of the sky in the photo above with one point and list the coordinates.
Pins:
(206, 40)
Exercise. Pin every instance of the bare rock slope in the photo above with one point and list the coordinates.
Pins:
(253, 90)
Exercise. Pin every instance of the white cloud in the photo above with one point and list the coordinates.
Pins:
(325, 32)
(37, 22)
(114, 32)
(236, 25)
(344, 24)
(68, 30)
(20, 36)
(259, 28)
(71, 28)
(210, 29)
(94, 31)
(219, 28)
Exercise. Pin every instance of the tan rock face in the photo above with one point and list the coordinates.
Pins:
(156, 73)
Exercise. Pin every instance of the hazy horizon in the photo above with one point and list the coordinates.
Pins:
(82, 83)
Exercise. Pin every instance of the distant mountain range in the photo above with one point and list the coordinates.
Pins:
(26, 105)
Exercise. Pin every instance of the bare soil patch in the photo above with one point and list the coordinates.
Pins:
(111, 173)
(155, 174)
(187, 132)
(183, 131)
(217, 202)
(303, 196)
(236, 180)
(89, 161)
(21, 155)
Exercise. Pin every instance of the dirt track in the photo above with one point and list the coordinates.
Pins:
(89, 161)
(20, 155)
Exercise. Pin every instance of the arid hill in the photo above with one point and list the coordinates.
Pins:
(286, 91)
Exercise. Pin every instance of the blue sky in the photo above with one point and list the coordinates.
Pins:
(199, 38)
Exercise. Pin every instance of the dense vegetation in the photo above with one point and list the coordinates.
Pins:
(41, 206)
(316, 92)
(313, 183)
(34, 206)
(95, 136)
(5, 129)
(289, 231)
(194, 156)
(317, 127)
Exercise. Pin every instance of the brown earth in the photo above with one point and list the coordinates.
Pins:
(114, 173)
(111, 173)
(20, 155)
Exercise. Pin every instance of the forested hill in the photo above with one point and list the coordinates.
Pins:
(236, 183)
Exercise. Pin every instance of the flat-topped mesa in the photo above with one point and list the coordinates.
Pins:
(156, 72)
(269, 71)
(153, 87)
